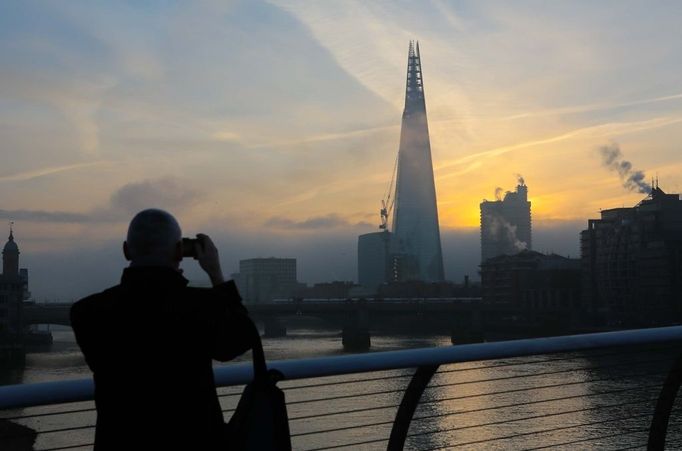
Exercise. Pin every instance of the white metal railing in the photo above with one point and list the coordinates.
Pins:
(427, 361)
(27, 395)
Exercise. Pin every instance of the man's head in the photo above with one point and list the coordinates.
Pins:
(154, 239)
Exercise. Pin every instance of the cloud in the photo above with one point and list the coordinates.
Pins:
(225, 135)
(167, 193)
(595, 131)
(78, 99)
(577, 109)
(330, 221)
(324, 137)
(44, 216)
(28, 175)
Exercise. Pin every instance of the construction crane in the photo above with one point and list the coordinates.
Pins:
(388, 200)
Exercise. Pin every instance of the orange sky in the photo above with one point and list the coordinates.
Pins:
(283, 117)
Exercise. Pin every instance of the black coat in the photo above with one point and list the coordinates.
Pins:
(150, 342)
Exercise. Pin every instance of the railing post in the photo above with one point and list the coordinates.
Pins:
(355, 335)
(408, 405)
(664, 405)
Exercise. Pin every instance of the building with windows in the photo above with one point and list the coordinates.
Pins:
(264, 279)
(532, 281)
(506, 224)
(632, 262)
(374, 260)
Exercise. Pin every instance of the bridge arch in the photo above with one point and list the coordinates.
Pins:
(47, 313)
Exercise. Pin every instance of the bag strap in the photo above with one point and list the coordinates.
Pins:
(259, 368)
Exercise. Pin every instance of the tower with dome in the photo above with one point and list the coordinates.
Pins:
(13, 292)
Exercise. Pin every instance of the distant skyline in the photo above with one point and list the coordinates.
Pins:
(275, 125)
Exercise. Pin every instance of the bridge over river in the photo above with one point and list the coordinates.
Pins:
(465, 318)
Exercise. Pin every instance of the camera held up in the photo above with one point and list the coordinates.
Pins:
(189, 247)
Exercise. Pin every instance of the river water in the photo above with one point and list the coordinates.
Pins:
(594, 400)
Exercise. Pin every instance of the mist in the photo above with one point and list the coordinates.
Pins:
(321, 256)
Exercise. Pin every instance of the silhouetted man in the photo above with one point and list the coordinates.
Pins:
(150, 342)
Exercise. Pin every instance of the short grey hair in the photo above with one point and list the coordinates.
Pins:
(153, 234)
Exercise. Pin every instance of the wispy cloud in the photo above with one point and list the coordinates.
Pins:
(592, 107)
(595, 131)
(77, 97)
(330, 221)
(36, 173)
(225, 136)
(44, 216)
(326, 137)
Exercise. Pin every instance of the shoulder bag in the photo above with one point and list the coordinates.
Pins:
(260, 421)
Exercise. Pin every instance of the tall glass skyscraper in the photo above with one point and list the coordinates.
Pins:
(412, 251)
(416, 234)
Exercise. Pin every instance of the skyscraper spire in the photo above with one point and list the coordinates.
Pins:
(415, 221)
(414, 89)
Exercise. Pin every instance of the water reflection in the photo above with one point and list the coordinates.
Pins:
(600, 399)
(533, 405)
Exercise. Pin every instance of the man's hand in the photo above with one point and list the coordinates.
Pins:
(207, 255)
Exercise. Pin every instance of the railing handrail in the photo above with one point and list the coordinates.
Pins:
(44, 393)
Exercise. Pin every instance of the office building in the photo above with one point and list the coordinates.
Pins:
(374, 260)
(632, 262)
(506, 224)
(264, 279)
(532, 280)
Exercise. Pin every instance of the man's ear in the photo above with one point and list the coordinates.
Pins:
(126, 251)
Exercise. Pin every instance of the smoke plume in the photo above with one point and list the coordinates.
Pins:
(633, 180)
(498, 193)
(500, 229)
(520, 180)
